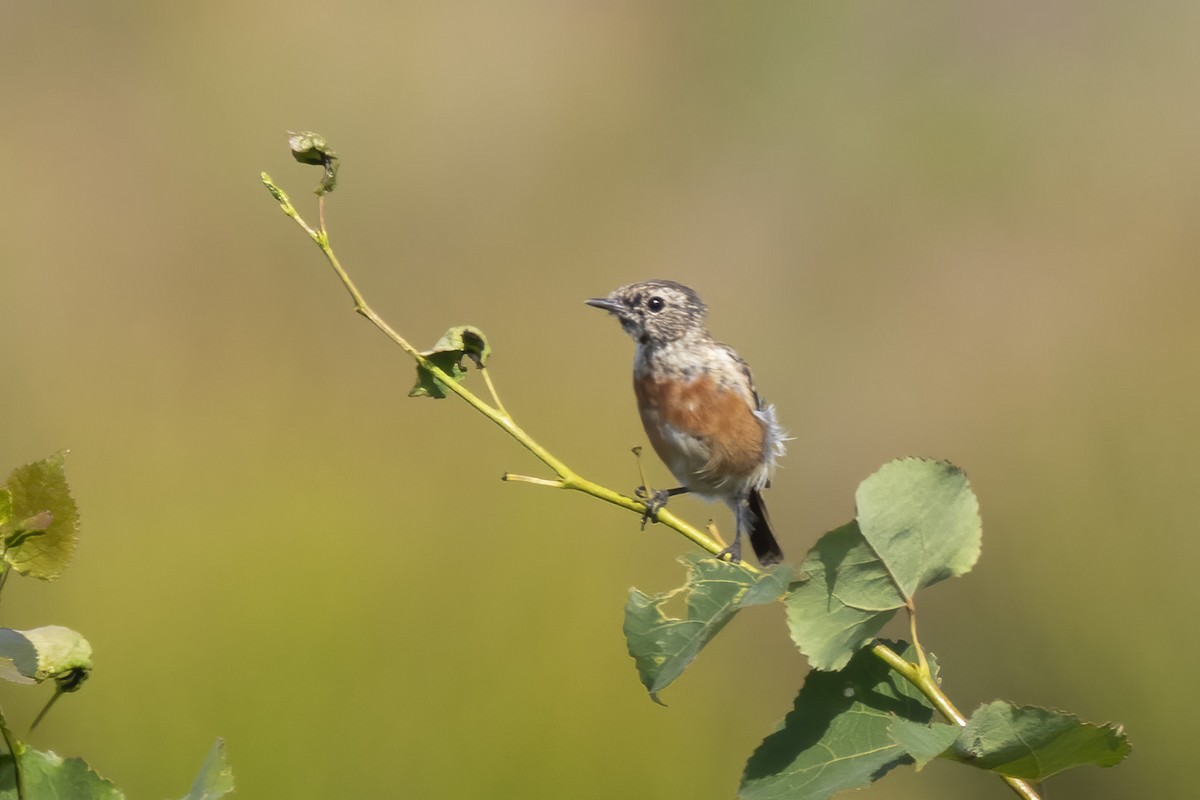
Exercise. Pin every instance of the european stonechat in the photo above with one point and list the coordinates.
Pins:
(699, 407)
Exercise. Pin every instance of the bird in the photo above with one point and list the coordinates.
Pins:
(700, 408)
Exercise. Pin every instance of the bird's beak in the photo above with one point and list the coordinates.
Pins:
(606, 304)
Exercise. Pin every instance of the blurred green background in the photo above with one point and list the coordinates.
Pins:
(962, 230)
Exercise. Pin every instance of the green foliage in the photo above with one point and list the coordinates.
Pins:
(51, 651)
(215, 779)
(47, 775)
(837, 735)
(922, 519)
(462, 341)
(662, 646)
(917, 523)
(39, 534)
(844, 596)
(38, 524)
(859, 716)
(311, 148)
(1035, 743)
(866, 707)
(923, 742)
(1019, 741)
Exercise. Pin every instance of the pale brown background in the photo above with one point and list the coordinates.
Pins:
(963, 230)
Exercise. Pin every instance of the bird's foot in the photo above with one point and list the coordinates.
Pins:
(654, 500)
(732, 553)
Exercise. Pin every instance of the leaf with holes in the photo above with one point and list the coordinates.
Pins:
(663, 646)
(463, 341)
(311, 148)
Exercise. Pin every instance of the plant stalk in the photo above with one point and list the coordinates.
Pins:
(923, 679)
(15, 749)
(567, 477)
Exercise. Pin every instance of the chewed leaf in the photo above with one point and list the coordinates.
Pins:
(1034, 743)
(922, 518)
(39, 537)
(215, 779)
(837, 735)
(45, 774)
(663, 646)
(49, 652)
(310, 148)
(462, 341)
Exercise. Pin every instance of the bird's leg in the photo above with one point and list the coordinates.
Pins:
(655, 500)
(734, 551)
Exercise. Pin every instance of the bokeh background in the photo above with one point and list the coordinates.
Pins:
(962, 230)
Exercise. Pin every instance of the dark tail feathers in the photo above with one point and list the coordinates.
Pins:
(758, 525)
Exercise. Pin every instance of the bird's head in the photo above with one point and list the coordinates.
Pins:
(655, 312)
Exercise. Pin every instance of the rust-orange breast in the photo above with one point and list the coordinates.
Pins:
(729, 436)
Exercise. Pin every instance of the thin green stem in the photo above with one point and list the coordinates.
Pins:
(567, 477)
(58, 692)
(919, 674)
(922, 662)
(15, 749)
(512, 476)
(920, 677)
(487, 378)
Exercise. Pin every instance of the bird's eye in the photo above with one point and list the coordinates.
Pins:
(656, 304)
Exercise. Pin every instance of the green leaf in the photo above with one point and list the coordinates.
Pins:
(447, 355)
(47, 775)
(40, 489)
(923, 742)
(1034, 743)
(5, 505)
(215, 779)
(662, 646)
(836, 736)
(311, 148)
(844, 596)
(49, 652)
(922, 518)
(917, 523)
